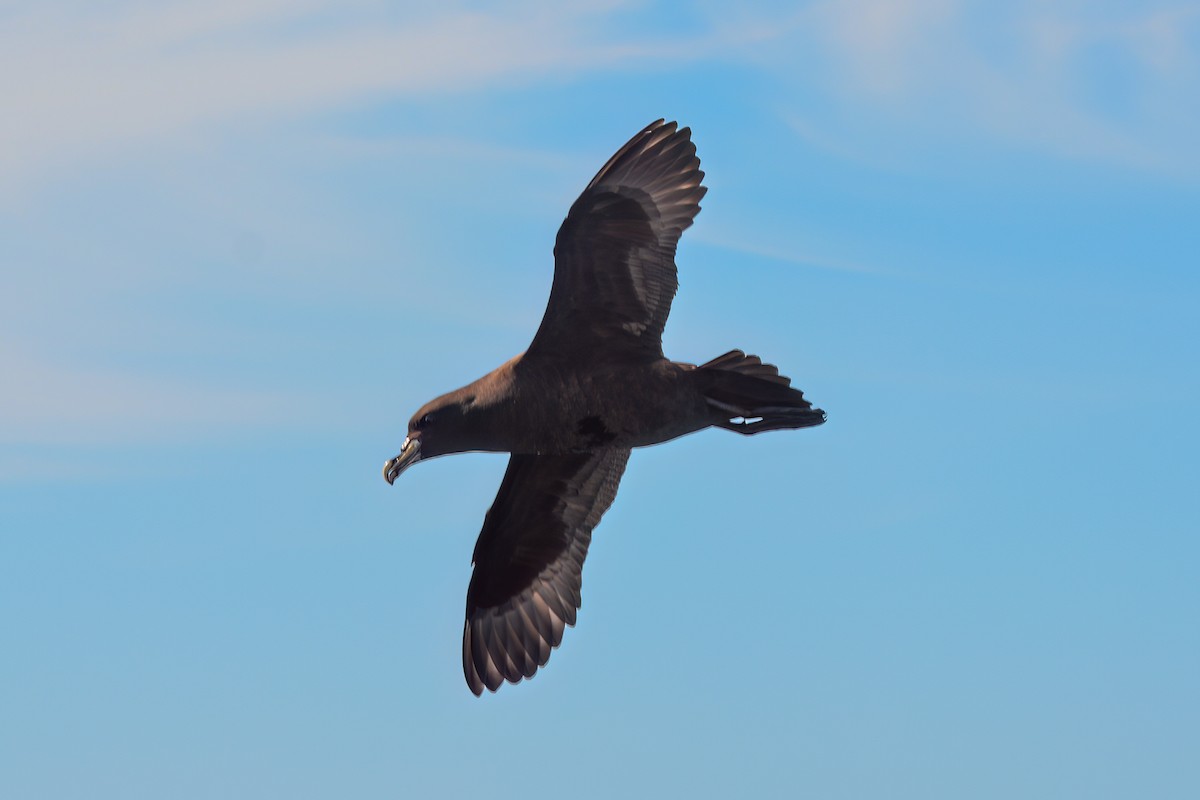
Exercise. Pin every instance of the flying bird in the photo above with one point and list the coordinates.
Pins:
(593, 384)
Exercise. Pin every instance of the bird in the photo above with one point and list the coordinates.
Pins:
(592, 385)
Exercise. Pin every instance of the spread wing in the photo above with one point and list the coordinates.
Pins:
(614, 259)
(529, 561)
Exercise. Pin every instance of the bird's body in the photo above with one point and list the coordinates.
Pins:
(552, 406)
(593, 384)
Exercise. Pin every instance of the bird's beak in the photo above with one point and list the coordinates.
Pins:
(410, 454)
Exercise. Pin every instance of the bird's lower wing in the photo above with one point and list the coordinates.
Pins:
(529, 561)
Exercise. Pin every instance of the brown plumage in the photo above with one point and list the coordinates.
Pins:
(593, 384)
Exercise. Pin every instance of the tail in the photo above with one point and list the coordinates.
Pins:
(750, 397)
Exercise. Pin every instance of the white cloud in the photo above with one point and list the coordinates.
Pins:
(47, 403)
(77, 82)
(1113, 85)
(883, 44)
(83, 79)
(785, 253)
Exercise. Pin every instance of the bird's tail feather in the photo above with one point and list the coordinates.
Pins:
(750, 397)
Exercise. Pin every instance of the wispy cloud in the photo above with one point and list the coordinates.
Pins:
(48, 403)
(882, 45)
(83, 81)
(786, 254)
(1109, 85)
(79, 80)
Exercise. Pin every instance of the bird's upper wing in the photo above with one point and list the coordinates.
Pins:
(614, 259)
(529, 561)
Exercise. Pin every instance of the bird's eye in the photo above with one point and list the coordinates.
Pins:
(425, 420)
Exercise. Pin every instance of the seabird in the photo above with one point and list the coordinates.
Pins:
(593, 385)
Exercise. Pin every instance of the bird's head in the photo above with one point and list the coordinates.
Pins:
(441, 426)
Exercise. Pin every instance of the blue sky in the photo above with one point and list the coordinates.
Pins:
(242, 241)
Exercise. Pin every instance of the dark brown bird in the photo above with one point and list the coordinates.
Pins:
(593, 384)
